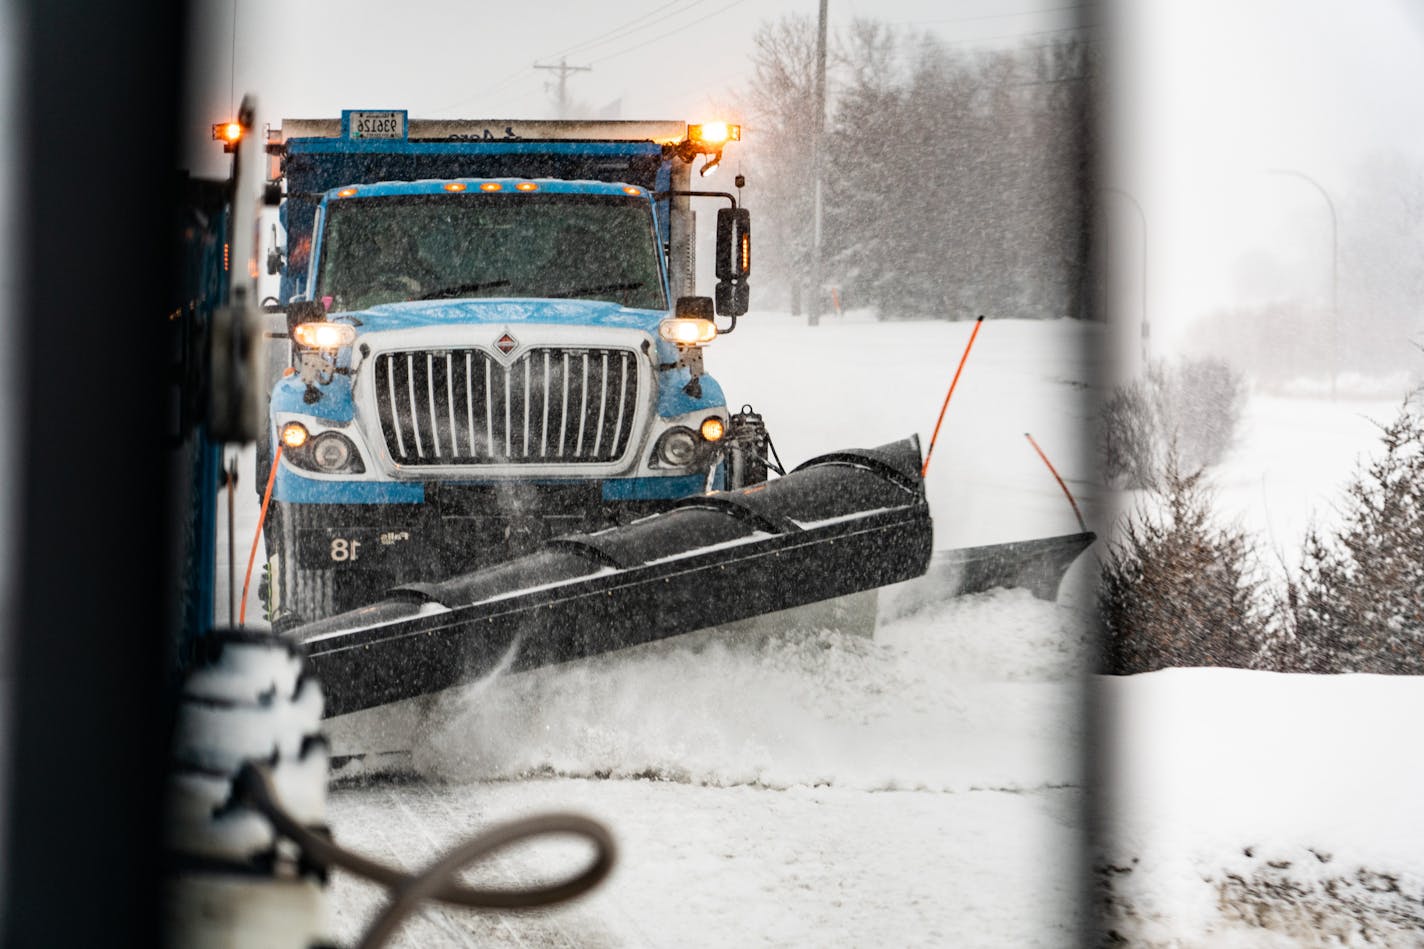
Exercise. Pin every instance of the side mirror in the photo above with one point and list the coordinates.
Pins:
(734, 261)
(304, 311)
(734, 244)
(733, 299)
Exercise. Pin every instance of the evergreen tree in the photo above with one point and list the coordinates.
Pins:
(1359, 603)
(1178, 591)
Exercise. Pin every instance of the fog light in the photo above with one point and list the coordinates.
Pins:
(331, 451)
(677, 448)
(713, 429)
(294, 435)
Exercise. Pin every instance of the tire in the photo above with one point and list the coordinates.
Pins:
(300, 594)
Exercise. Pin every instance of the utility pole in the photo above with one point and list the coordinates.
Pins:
(818, 136)
(563, 69)
(1334, 269)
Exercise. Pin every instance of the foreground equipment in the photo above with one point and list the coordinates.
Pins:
(838, 524)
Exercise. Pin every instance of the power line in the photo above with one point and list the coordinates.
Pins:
(999, 16)
(1016, 36)
(500, 85)
(635, 25)
(564, 69)
(663, 36)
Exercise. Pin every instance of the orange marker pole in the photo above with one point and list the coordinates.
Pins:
(933, 438)
(261, 519)
(1082, 525)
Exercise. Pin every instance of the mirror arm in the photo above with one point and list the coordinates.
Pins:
(659, 195)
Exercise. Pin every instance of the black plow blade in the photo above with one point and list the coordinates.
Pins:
(838, 524)
(1035, 565)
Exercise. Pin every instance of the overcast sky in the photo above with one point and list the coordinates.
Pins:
(1208, 95)
(1213, 95)
(676, 59)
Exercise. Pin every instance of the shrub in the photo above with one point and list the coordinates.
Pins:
(1358, 605)
(1177, 591)
(1195, 405)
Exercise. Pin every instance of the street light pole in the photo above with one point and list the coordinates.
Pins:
(1334, 270)
(818, 135)
(1142, 217)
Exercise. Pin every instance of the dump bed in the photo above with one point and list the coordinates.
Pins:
(317, 155)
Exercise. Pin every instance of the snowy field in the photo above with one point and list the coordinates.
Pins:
(1251, 809)
(923, 788)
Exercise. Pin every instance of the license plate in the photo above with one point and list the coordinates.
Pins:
(378, 125)
(319, 547)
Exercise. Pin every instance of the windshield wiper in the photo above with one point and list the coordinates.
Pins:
(600, 289)
(460, 289)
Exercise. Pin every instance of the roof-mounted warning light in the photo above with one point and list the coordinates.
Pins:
(229, 133)
(706, 138)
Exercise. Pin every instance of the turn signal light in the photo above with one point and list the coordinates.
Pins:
(228, 132)
(324, 335)
(294, 435)
(713, 429)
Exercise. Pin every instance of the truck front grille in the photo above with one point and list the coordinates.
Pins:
(551, 405)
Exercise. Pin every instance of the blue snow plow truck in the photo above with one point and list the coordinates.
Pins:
(490, 339)
(491, 442)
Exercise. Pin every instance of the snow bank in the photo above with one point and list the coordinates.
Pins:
(1258, 807)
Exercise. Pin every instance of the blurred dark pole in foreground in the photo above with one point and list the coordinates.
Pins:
(88, 715)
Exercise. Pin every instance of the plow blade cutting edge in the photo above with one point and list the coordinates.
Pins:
(838, 524)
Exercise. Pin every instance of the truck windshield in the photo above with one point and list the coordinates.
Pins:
(442, 246)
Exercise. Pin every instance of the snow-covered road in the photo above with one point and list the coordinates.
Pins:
(923, 788)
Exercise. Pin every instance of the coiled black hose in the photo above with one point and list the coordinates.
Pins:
(438, 881)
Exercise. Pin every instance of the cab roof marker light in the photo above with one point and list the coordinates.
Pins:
(346, 193)
(715, 134)
(454, 186)
(526, 186)
(491, 186)
(632, 190)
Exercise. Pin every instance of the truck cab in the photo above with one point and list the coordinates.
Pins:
(488, 336)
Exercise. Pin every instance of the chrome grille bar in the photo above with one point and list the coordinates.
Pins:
(470, 403)
(430, 391)
(602, 406)
(544, 429)
(414, 420)
(524, 364)
(622, 401)
(583, 409)
(450, 403)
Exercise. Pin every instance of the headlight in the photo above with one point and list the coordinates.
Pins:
(687, 330)
(324, 335)
(326, 452)
(677, 448)
(332, 451)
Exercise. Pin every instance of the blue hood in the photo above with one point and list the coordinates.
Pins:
(398, 316)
